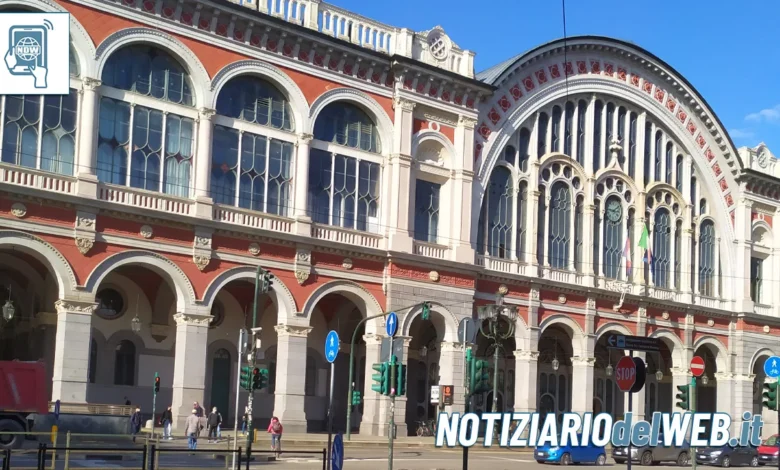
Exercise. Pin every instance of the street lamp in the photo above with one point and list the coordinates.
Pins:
(135, 324)
(659, 375)
(609, 370)
(490, 326)
(8, 308)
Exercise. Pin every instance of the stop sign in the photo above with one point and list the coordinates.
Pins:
(697, 366)
(625, 373)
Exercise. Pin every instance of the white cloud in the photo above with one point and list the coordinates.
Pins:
(741, 133)
(768, 114)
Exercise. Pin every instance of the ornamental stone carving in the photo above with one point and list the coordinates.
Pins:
(201, 261)
(503, 289)
(193, 320)
(146, 231)
(254, 249)
(302, 264)
(304, 256)
(433, 276)
(301, 276)
(590, 303)
(203, 241)
(347, 263)
(69, 306)
(665, 315)
(534, 294)
(296, 331)
(84, 244)
(18, 210)
(86, 221)
(562, 299)
(767, 329)
(710, 322)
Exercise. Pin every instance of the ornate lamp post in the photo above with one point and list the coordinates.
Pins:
(8, 308)
(135, 324)
(490, 317)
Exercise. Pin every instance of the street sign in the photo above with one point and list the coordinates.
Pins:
(634, 343)
(391, 325)
(332, 346)
(469, 327)
(625, 373)
(447, 392)
(772, 367)
(434, 394)
(398, 350)
(697, 366)
(337, 453)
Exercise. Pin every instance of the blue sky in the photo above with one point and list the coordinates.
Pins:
(728, 50)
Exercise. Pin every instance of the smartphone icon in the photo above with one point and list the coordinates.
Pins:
(28, 45)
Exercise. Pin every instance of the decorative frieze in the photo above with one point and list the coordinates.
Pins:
(84, 231)
(201, 248)
(193, 320)
(297, 331)
(146, 231)
(302, 264)
(18, 210)
(75, 306)
(254, 249)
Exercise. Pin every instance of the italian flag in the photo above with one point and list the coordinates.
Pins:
(647, 257)
(627, 257)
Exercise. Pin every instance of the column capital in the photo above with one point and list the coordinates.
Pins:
(372, 339)
(525, 355)
(91, 84)
(679, 372)
(304, 139)
(466, 122)
(182, 319)
(447, 346)
(583, 361)
(296, 331)
(206, 113)
(74, 306)
(404, 104)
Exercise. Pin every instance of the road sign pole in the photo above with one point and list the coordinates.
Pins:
(241, 340)
(466, 393)
(154, 403)
(630, 406)
(692, 397)
(330, 414)
(392, 407)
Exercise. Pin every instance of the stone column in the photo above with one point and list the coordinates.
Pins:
(370, 423)
(300, 203)
(71, 351)
(742, 400)
(401, 181)
(290, 391)
(451, 373)
(189, 367)
(526, 375)
(86, 164)
(462, 181)
(725, 396)
(582, 384)
(203, 201)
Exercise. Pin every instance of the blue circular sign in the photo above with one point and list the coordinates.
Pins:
(332, 346)
(337, 453)
(391, 325)
(772, 367)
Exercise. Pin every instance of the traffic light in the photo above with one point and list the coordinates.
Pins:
(481, 377)
(246, 378)
(382, 379)
(259, 378)
(770, 395)
(266, 281)
(400, 379)
(156, 383)
(683, 398)
(356, 397)
(426, 311)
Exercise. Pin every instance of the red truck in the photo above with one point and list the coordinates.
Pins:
(22, 393)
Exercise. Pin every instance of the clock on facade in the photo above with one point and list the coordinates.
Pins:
(763, 159)
(614, 211)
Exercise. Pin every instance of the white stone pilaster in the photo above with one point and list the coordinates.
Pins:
(189, 366)
(582, 384)
(71, 351)
(300, 203)
(370, 423)
(203, 201)
(451, 373)
(526, 376)
(86, 163)
(290, 391)
(741, 270)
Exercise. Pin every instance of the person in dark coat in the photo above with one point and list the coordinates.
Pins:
(135, 422)
(166, 420)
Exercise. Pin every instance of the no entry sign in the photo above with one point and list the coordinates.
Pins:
(697, 366)
(625, 373)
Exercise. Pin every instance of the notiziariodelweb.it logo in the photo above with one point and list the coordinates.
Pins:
(534, 429)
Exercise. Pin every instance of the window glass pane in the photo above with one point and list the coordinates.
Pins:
(498, 200)
(346, 124)
(661, 245)
(613, 237)
(560, 225)
(426, 214)
(707, 247)
(113, 140)
(254, 100)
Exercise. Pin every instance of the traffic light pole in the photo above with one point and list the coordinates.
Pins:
(391, 432)
(466, 395)
(253, 361)
(330, 415)
(692, 398)
(154, 402)
(630, 406)
(241, 341)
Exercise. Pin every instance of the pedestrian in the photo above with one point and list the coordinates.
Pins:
(127, 401)
(244, 420)
(214, 420)
(166, 420)
(198, 409)
(192, 429)
(135, 422)
(276, 429)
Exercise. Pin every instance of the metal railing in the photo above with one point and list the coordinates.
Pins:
(93, 409)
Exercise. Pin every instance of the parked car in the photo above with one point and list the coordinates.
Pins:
(727, 456)
(768, 451)
(647, 455)
(569, 454)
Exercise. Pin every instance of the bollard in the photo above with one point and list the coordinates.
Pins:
(324, 458)
(67, 451)
(143, 458)
(54, 440)
(7, 459)
(237, 455)
(151, 457)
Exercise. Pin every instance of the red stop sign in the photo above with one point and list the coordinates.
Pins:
(625, 373)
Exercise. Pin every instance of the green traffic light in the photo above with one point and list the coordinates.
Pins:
(683, 398)
(426, 310)
(400, 377)
(770, 396)
(481, 376)
(382, 379)
(246, 378)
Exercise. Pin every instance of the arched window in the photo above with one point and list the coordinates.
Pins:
(40, 131)
(145, 145)
(578, 234)
(678, 178)
(254, 100)
(541, 135)
(510, 155)
(658, 153)
(346, 124)
(73, 62)
(662, 232)
(498, 200)
(610, 128)
(582, 109)
(149, 71)
(560, 225)
(93, 358)
(669, 162)
(632, 146)
(632, 238)
(568, 131)
(621, 126)
(647, 155)
(613, 237)
(599, 109)
(693, 187)
(124, 363)
(248, 169)
(677, 254)
(522, 214)
(597, 238)
(426, 215)
(707, 247)
(540, 228)
(556, 129)
(522, 151)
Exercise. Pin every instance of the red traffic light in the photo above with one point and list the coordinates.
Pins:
(255, 371)
(156, 380)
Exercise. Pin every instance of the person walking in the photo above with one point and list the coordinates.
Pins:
(244, 419)
(192, 429)
(166, 420)
(214, 420)
(135, 422)
(276, 429)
